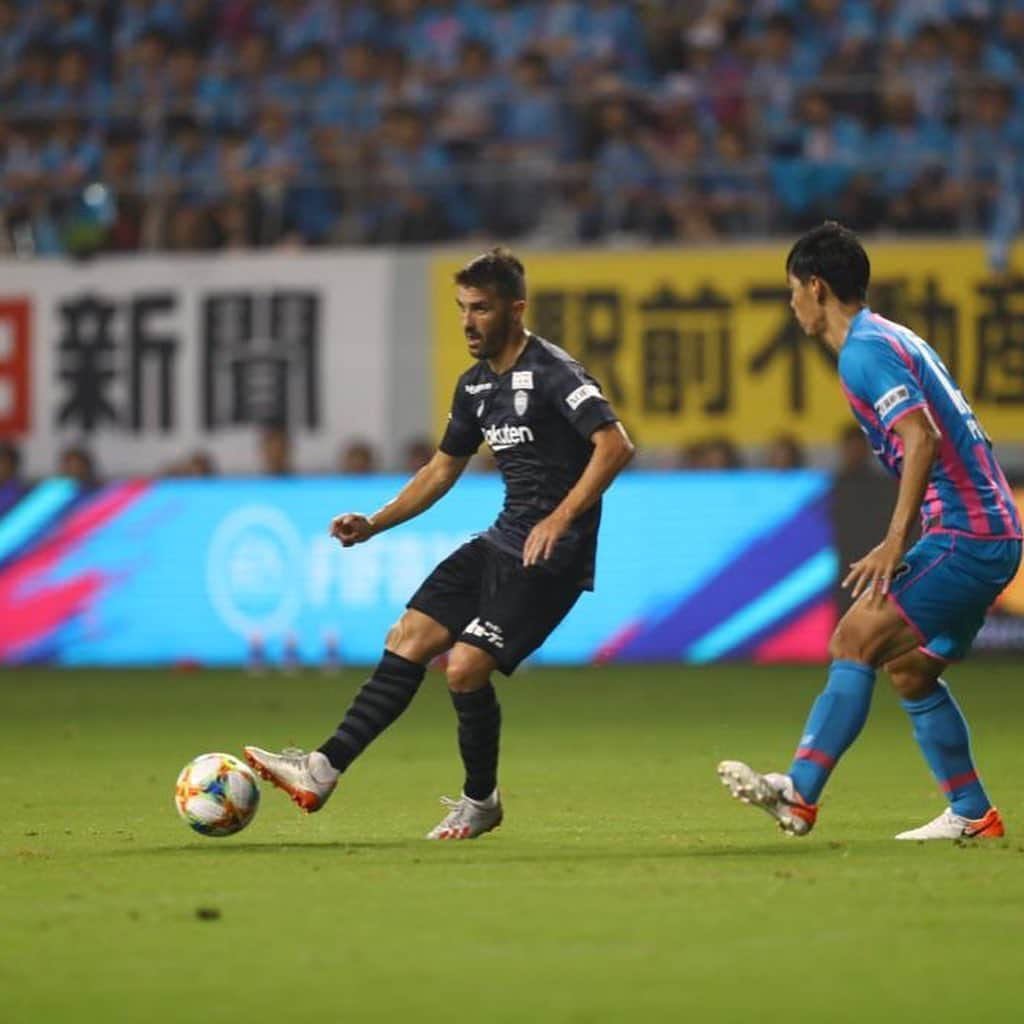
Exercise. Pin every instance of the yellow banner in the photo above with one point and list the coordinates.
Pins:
(699, 342)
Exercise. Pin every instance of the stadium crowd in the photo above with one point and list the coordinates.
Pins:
(206, 124)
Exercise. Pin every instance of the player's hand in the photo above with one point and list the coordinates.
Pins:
(873, 574)
(351, 528)
(540, 544)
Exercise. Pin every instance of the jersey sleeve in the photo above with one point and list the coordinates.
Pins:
(875, 376)
(577, 397)
(462, 436)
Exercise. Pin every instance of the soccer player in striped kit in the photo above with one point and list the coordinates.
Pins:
(916, 610)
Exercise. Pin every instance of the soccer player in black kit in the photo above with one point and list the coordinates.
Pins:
(492, 602)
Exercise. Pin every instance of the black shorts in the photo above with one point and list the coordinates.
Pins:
(486, 598)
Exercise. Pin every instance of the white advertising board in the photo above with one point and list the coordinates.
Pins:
(146, 359)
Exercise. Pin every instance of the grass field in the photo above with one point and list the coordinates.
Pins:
(625, 884)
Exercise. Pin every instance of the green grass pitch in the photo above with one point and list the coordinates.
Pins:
(625, 885)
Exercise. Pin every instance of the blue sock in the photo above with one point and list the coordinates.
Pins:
(834, 723)
(941, 733)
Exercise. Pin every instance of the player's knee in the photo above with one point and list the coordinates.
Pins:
(395, 639)
(468, 669)
(849, 643)
(910, 684)
(405, 640)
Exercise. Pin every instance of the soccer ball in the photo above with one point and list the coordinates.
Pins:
(217, 794)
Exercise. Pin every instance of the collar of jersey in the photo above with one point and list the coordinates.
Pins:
(530, 338)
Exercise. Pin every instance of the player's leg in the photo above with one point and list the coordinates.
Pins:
(435, 614)
(309, 779)
(476, 707)
(956, 581)
(473, 697)
(868, 635)
(941, 732)
(518, 609)
(411, 644)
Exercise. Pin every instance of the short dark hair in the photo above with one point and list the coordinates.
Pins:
(499, 268)
(833, 253)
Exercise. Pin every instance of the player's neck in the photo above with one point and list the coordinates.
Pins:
(510, 352)
(837, 323)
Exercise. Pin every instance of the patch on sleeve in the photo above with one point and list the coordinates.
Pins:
(576, 398)
(891, 399)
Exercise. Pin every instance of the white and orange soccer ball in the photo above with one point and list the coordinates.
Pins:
(216, 794)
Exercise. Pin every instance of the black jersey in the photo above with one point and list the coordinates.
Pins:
(537, 418)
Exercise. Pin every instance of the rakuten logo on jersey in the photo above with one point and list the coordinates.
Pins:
(500, 438)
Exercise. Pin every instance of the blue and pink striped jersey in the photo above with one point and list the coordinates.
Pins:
(887, 371)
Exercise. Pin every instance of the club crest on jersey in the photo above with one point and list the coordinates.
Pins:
(522, 380)
(520, 401)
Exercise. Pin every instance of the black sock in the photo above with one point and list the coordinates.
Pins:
(479, 730)
(383, 697)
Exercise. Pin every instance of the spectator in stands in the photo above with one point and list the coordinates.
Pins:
(732, 195)
(30, 88)
(10, 462)
(993, 135)
(781, 70)
(15, 35)
(909, 153)
(76, 87)
(244, 82)
(276, 451)
(350, 101)
(716, 452)
(928, 71)
(470, 105)
(200, 464)
(187, 164)
(68, 23)
(120, 175)
(721, 453)
(785, 452)
(357, 458)
(862, 502)
(416, 453)
(533, 136)
(515, 95)
(417, 200)
(431, 34)
(854, 452)
(691, 455)
(12, 486)
(507, 26)
(715, 68)
(828, 149)
(76, 463)
(141, 74)
(299, 24)
(624, 174)
(399, 82)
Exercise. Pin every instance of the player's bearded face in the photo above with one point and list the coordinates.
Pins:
(808, 310)
(487, 321)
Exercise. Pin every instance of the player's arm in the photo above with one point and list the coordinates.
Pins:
(921, 440)
(612, 452)
(429, 484)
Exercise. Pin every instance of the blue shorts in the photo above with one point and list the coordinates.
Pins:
(946, 585)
